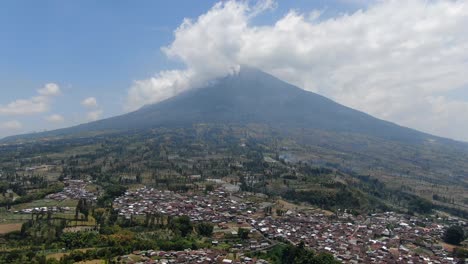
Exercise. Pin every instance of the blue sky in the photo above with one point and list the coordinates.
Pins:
(99, 48)
(91, 49)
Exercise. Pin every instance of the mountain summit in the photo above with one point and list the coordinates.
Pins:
(251, 96)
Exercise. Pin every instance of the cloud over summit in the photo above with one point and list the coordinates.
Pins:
(396, 60)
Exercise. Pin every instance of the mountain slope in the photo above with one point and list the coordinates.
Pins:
(251, 96)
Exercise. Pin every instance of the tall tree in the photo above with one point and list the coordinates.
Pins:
(454, 235)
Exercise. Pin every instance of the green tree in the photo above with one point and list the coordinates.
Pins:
(209, 188)
(82, 207)
(100, 215)
(454, 235)
(205, 229)
(243, 233)
(182, 225)
(301, 255)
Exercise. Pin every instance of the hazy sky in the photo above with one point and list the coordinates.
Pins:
(68, 62)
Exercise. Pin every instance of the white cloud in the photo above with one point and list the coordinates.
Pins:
(50, 89)
(33, 105)
(396, 60)
(359, 2)
(89, 102)
(218, 51)
(11, 125)
(55, 118)
(94, 115)
(38, 104)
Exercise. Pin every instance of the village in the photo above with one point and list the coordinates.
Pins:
(376, 238)
(204, 256)
(74, 189)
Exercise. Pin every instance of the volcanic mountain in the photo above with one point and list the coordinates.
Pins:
(251, 96)
(315, 128)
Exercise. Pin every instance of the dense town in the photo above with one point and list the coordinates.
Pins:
(378, 238)
(203, 256)
(74, 189)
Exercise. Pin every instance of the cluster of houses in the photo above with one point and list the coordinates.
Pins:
(75, 190)
(378, 238)
(53, 209)
(217, 206)
(203, 256)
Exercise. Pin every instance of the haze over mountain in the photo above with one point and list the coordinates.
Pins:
(250, 96)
